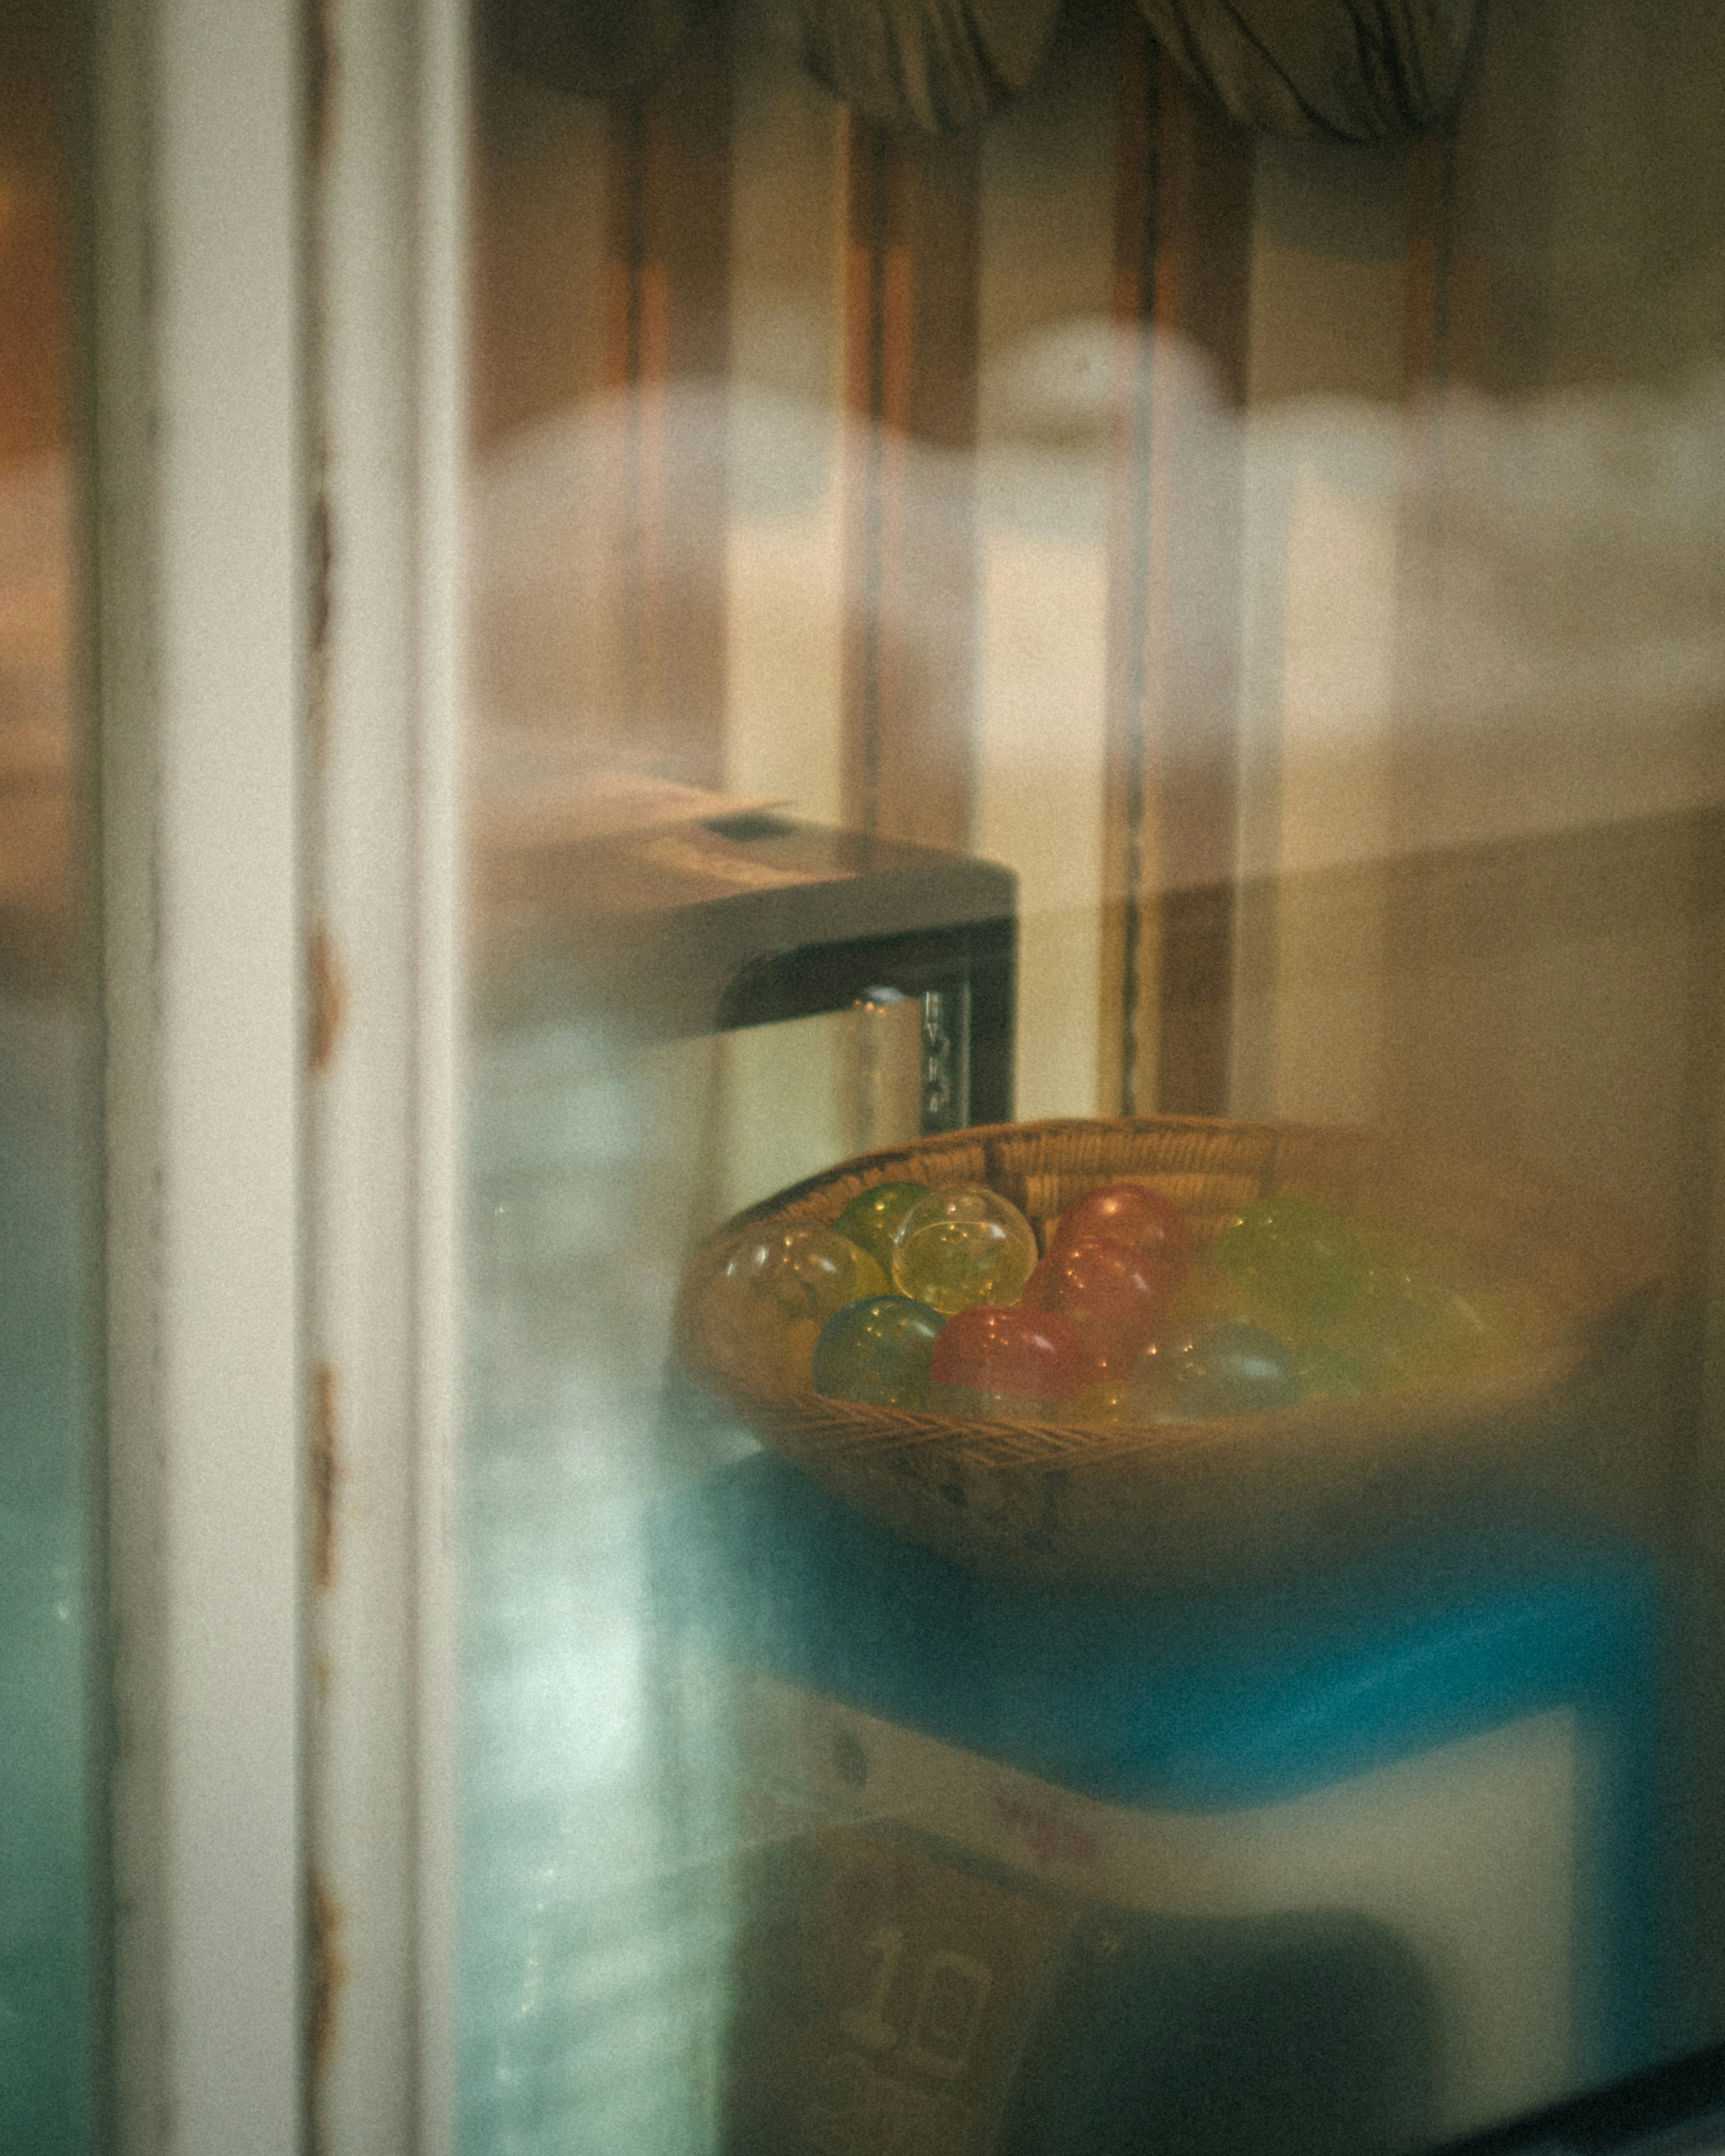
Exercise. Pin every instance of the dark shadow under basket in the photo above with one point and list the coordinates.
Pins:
(1300, 1485)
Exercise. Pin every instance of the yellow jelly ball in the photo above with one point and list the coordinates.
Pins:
(956, 1248)
(761, 1309)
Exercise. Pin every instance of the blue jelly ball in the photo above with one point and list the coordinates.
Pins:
(1236, 1370)
(877, 1350)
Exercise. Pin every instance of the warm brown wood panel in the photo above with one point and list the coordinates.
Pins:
(1182, 278)
(911, 261)
(535, 209)
(667, 349)
(601, 272)
(39, 832)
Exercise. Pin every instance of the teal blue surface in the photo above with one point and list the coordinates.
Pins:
(1197, 1704)
(1210, 1703)
(47, 2059)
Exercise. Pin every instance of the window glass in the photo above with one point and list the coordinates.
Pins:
(48, 1134)
(1150, 592)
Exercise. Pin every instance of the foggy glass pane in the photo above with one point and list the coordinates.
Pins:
(48, 1139)
(1103, 646)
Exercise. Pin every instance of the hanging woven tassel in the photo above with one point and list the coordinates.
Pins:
(934, 65)
(1374, 71)
(588, 47)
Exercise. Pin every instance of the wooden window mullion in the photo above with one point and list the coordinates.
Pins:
(911, 338)
(668, 357)
(1182, 279)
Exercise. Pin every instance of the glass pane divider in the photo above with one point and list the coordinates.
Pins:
(384, 888)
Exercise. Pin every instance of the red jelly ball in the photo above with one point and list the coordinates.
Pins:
(992, 1348)
(1129, 1212)
(1113, 1293)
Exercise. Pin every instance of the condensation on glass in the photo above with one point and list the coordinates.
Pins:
(1120, 608)
(48, 1140)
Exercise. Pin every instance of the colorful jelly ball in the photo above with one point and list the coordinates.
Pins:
(877, 1350)
(1113, 1293)
(1209, 1297)
(1332, 1373)
(1434, 1310)
(1386, 1329)
(773, 1292)
(957, 1248)
(1299, 1257)
(871, 1218)
(1468, 1327)
(1014, 1362)
(1152, 1377)
(809, 1271)
(1236, 1370)
(1129, 1212)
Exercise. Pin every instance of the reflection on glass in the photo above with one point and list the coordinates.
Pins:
(1208, 644)
(46, 1394)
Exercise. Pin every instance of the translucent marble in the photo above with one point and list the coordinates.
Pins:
(1012, 1362)
(1236, 1370)
(1129, 1212)
(1433, 1310)
(1302, 1259)
(1113, 1293)
(957, 1248)
(872, 1217)
(1332, 1373)
(765, 1303)
(877, 1350)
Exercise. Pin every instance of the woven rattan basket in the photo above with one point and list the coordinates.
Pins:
(1301, 1484)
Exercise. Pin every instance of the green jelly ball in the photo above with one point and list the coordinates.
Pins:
(876, 1350)
(1301, 1258)
(871, 1219)
(1331, 1373)
(1386, 1329)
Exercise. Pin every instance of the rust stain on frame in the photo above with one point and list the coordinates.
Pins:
(327, 986)
(329, 1972)
(325, 1472)
(320, 563)
(320, 600)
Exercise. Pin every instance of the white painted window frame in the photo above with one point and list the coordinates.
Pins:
(276, 455)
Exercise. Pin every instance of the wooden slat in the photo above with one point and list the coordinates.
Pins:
(1182, 277)
(668, 239)
(911, 261)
